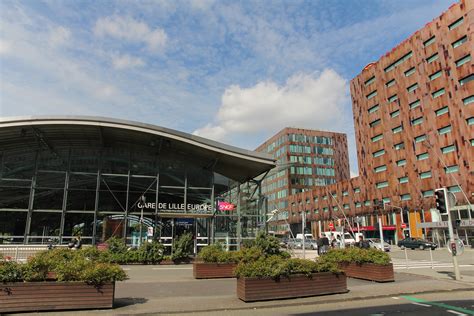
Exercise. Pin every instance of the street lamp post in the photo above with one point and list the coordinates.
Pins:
(303, 223)
(143, 199)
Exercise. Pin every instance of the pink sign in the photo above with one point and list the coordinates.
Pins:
(225, 206)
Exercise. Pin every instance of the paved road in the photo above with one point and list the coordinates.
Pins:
(458, 303)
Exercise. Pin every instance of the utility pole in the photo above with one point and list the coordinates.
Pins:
(303, 223)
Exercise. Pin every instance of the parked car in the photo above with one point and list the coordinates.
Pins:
(375, 243)
(295, 243)
(284, 242)
(311, 244)
(414, 243)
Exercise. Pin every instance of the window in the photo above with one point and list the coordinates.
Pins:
(316, 211)
(468, 100)
(374, 109)
(345, 193)
(315, 200)
(385, 200)
(395, 113)
(472, 142)
(435, 75)
(463, 60)
(405, 197)
(366, 202)
(401, 162)
(403, 180)
(358, 204)
(438, 93)
(371, 95)
(390, 83)
(377, 138)
(454, 189)
(412, 87)
(448, 149)
(432, 58)
(399, 146)
(425, 175)
(398, 61)
(346, 206)
(465, 80)
(451, 169)
(325, 197)
(429, 41)
(325, 209)
(380, 169)
(414, 104)
(397, 129)
(393, 98)
(369, 81)
(422, 156)
(378, 153)
(375, 123)
(470, 121)
(356, 190)
(417, 121)
(428, 193)
(410, 72)
(381, 185)
(420, 138)
(460, 41)
(456, 23)
(442, 110)
(444, 130)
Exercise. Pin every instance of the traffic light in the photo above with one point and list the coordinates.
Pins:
(441, 201)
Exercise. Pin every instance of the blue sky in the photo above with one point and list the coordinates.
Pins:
(234, 71)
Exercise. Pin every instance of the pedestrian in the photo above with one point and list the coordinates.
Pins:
(325, 244)
(363, 244)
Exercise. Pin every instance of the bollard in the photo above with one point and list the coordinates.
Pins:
(431, 258)
(406, 258)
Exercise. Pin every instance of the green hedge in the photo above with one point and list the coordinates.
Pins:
(277, 267)
(262, 246)
(356, 255)
(66, 264)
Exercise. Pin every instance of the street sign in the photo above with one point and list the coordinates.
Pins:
(331, 226)
(403, 225)
(149, 232)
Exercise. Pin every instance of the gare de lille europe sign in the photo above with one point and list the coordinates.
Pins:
(177, 207)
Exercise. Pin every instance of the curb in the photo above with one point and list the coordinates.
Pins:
(335, 300)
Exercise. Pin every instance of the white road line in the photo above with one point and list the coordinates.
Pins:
(456, 313)
(126, 269)
(421, 304)
(395, 298)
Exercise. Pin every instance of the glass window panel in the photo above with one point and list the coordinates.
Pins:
(18, 165)
(142, 187)
(45, 224)
(12, 224)
(48, 199)
(52, 180)
(56, 160)
(463, 60)
(113, 193)
(14, 194)
(115, 160)
(85, 160)
(78, 224)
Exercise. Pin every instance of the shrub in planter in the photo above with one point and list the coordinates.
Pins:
(182, 248)
(150, 252)
(216, 263)
(116, 245)
(370, 264)
(10, 271)
(274, 277)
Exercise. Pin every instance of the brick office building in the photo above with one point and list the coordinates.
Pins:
(305, 159)
(414, 115)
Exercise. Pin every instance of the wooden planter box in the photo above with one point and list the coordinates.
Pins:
(369, 271)
(204, 270)
(47, 296)
(254, 289)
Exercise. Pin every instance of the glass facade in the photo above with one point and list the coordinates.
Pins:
(96, 190)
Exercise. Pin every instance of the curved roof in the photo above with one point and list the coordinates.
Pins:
(233, 162)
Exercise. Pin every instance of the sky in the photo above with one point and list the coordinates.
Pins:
(232, 71)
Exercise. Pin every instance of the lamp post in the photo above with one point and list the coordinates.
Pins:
(143, 200)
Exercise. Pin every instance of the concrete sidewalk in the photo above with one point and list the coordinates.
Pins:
(172, 290)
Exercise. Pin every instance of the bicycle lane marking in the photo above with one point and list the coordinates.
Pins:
(443, 305)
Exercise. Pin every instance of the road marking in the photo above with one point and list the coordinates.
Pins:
(126, 269)
(395, 298)
(421, 304)
(442, 305)
(456, 313)
(401, 267)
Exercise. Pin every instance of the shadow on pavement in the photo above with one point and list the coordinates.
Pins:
(127, 301)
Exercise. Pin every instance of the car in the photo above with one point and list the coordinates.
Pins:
(284, 242)
(375, 243)
(311, 244)
(295, 243)
(414, 243)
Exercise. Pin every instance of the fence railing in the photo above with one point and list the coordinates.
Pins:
(20, 253)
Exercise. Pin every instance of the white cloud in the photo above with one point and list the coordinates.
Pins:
(5, 47)
(59, 36)
(126, 61)
(307, 101)
(129, 29)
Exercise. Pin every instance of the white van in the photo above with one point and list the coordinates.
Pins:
(306, 236)
(348, 238)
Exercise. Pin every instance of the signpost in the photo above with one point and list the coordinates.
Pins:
(331, 226)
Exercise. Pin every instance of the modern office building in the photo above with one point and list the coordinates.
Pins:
(305, 159)
(62, 177)
(414, 122)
